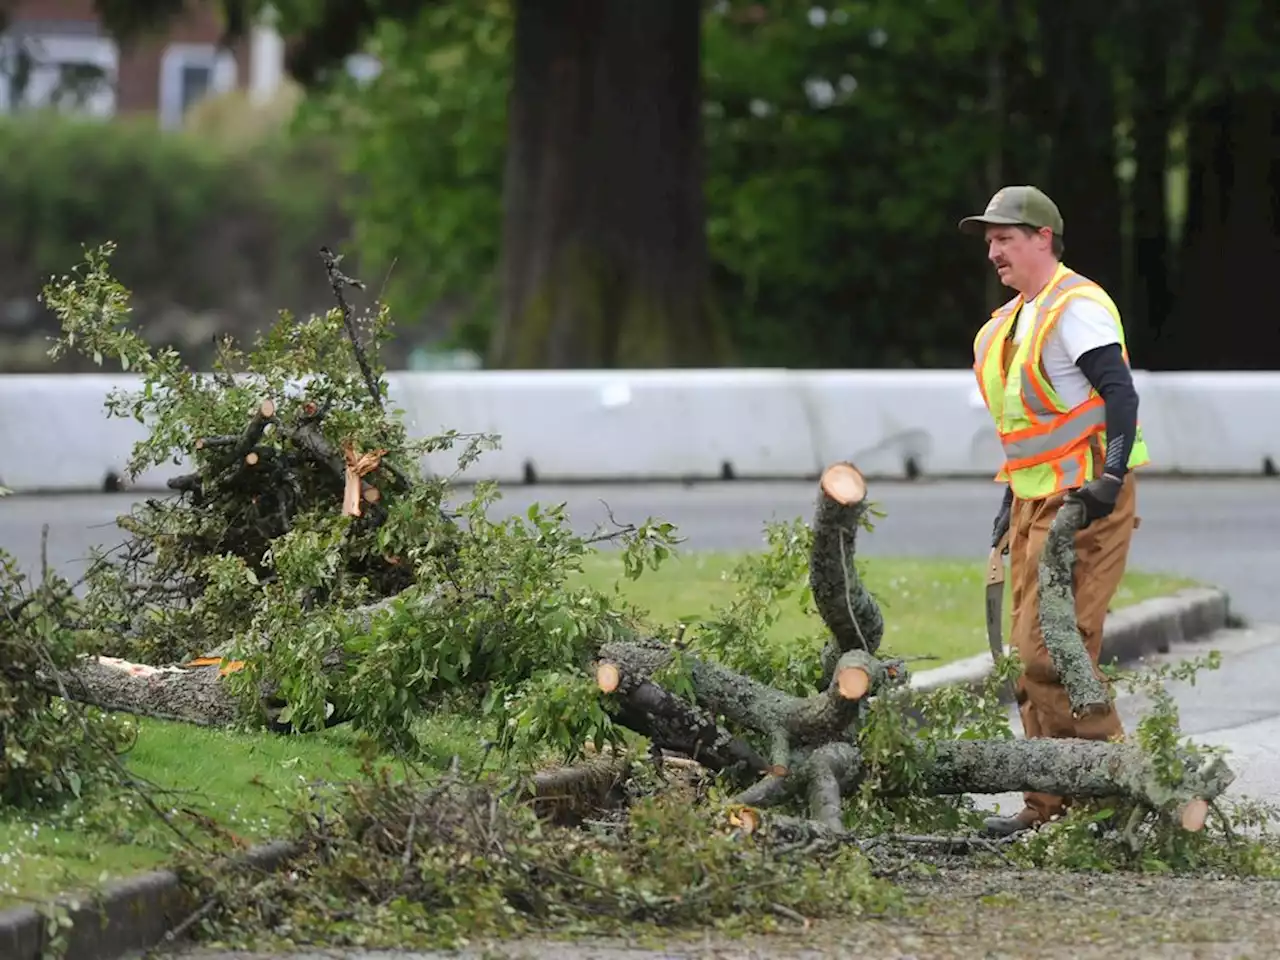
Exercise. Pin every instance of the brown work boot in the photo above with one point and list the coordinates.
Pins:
(1024, 819)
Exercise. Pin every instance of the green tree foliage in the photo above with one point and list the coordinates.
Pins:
(842, 142)
(51, 751)
(425, 138)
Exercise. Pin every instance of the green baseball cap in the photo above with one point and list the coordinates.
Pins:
(1017, 205)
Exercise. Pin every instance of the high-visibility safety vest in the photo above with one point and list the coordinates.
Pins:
(1046, 444)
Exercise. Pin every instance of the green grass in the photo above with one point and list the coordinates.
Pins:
(932, 608)
(241, 782)
(244, 782)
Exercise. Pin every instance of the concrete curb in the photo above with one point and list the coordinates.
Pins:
(125, 918)
(1130, 633)
(136, 914)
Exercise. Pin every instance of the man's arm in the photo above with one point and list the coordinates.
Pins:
(1106, 370)
(1091, 338)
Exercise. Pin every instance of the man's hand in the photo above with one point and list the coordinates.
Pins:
(1001, 525)
(1098, 496)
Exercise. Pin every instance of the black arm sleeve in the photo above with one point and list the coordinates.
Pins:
(1106, 370)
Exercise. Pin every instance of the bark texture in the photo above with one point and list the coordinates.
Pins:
(604, 247)
(1079, 768)
(849, 611)
(191, 695)
(1058, 614)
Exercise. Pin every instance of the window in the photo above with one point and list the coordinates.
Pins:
(71, 74)
(188, 73)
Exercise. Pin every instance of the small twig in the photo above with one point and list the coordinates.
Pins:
(409, 837)
(788, 914)
(192, 919)
(338, 280)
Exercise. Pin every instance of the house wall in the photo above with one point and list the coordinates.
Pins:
(151, 75)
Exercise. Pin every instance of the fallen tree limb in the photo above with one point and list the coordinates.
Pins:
(1057, 604)
(789, 722)
(674, 724)
(191, 695)
(849, 611)
(1073, 768)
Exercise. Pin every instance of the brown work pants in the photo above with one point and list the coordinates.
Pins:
(1102, 549)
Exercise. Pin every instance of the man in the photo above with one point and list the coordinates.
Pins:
(1054, 373)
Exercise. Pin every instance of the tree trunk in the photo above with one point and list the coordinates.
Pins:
(1149, 300)
(1082, 165)
(1232, 236)
(604, 246)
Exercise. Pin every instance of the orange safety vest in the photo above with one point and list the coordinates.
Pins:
(1046, 444)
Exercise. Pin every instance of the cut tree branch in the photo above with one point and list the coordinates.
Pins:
(1057, 602)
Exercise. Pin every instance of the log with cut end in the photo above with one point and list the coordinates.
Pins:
(673, 723)
(788, 721)
(849, 611)
(238, 446)
(1073, 768)
(1057, 602)
(193, 695)
(1077, 769)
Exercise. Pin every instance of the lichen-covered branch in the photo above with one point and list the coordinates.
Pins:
(849, 611)
(193, 695)
(1057, 602)
(830, 773)
(789, 721)
(1069, 767)
(673, 723)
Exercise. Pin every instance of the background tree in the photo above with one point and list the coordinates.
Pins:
(575, 184)
(603, 242)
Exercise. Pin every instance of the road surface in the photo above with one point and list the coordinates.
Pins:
(1223, 532)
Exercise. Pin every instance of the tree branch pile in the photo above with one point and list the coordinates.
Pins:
(783, 748)
(306, 575)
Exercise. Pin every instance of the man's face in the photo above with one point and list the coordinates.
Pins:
(1017, 254)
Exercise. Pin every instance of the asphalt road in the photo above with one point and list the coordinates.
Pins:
(1224, 532)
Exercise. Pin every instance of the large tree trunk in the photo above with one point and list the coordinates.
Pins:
(1149, 300)
(1082, 164)
(604, 246)
(1232, 236)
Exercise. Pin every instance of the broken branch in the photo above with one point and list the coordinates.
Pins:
(1058, 625)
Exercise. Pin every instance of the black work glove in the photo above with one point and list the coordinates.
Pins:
(1001, 525)
(1098, 496)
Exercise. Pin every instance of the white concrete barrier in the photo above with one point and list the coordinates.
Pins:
(901, 424)
(634, 424)
(637, 425)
